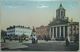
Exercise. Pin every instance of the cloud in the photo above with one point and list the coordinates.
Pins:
(43, 6)
(44, 0)
(12, 6)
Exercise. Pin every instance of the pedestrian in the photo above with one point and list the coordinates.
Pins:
(33, 39)
(67, 42)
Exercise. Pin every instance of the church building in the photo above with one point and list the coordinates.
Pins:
(58, 27)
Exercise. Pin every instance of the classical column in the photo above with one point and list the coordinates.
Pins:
(56, 32)
(68, 31)
(53, 33)
(64, 31)
(50, 31)
(60, 31)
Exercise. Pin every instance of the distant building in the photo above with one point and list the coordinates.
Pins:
(73, 31)
(19, 30)
(42, 31)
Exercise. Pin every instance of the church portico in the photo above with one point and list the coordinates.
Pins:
(58, 31)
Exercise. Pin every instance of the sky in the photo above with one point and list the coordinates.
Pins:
(35, 12)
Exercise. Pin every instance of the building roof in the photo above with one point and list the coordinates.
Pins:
(41, 27)
(73, 23)
(61, 7)
(12, 27)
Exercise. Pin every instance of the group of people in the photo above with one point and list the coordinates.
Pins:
(34, 39)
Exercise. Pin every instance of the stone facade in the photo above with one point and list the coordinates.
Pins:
(42, 31)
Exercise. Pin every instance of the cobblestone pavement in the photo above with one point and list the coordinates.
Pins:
(40, 46)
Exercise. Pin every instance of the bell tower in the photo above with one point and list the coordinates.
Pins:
(60, 13)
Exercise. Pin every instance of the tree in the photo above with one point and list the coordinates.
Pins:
(22, 37)
(3, 35)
